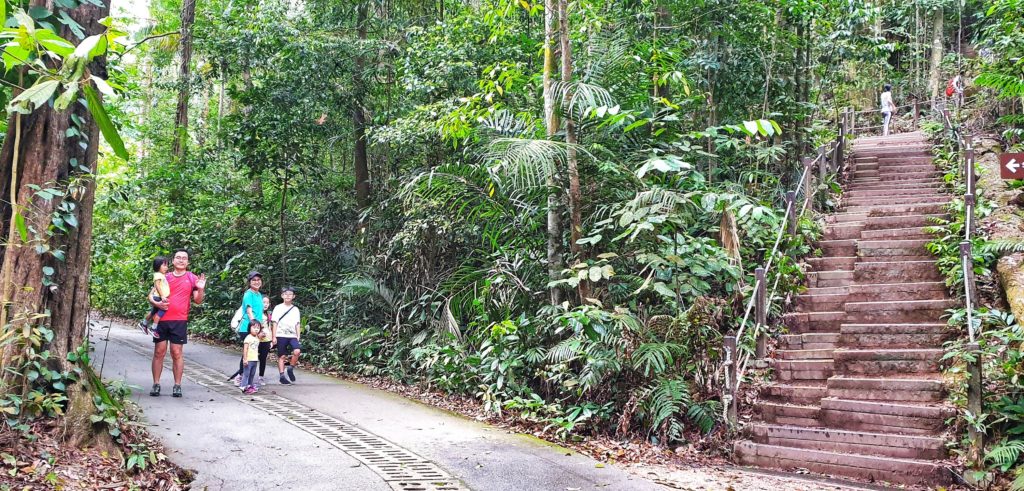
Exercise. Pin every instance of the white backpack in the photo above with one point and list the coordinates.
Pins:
(237, 319)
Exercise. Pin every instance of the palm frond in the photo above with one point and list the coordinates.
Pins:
(526, 163)
(578, 99)
(503, 123)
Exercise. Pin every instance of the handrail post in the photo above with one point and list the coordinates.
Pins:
(808, 188)
(837, 163)
(969, 203)
(976, 437)
(967, 258)
(917, 113)
(731, 378)
(969, 167)
(761, 314)
(791, 211)
(822, 164)
(945, 119)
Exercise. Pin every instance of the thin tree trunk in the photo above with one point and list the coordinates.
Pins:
(551, 119)
(188, 17)
(42, 155)
(362, 167)
(936, 59)
(572, 165)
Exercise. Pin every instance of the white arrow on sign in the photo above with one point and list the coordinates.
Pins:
(1013, 165)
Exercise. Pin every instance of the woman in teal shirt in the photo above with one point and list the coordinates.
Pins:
(252, 311)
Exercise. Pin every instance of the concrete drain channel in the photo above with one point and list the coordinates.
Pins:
(400, 468)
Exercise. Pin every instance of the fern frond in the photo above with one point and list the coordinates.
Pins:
(1005, 454)
(1002, 246)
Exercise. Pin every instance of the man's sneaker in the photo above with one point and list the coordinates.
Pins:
(284, 380)
(251, 390)
(259, 381)
(291, 373)
(176, 391)
(237, 381)
(144, 327)
(155, 391)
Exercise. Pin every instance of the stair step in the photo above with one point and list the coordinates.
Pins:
(893, 247)
(802, 370)
(886, 361)
(897, 191)
(884, 417)
(902, 311)
(790, 414)
(896, 271)
(891, 210)
(885, 389)
(810, 340)
(801, 394)
(891, 222)
(803, 322)
(804, 354)
(865, 336)
(832, 263)
(871, 468)
(853, 442)
(896, 233)
(850, 202)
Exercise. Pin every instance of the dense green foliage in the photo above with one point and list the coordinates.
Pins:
(690, 118)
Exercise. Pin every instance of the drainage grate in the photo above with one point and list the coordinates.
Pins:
(426, 485)
(402, 469)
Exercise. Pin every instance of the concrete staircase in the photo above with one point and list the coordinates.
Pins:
(857, 389)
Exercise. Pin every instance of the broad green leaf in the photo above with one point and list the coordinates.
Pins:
(595, 273)
(14, 55)
(54, 43)
(104, 87)
(778, 129)
(750, 127)
(65, 99)
(33, 97)
(85, 48)
(19, 223)
(103, 121)
(75, 27)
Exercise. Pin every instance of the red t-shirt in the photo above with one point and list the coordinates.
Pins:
(181, 296)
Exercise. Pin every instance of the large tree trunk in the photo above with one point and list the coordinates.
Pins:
(362, 167)
(44, 154)
(188, 17)
(551, 120)
(936, 59)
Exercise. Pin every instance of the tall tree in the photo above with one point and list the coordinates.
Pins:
(936, 58)
(46, 275)
(362, 168)
(551, 122)
(572, 164)
(188, 17)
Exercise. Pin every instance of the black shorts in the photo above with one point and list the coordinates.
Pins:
(286, 345)
(174, 331)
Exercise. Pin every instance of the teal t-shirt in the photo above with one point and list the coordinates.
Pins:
(254, 300)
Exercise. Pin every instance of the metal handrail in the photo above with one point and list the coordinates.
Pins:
(788, 220)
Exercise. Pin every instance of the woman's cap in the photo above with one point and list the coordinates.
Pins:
(254, 274)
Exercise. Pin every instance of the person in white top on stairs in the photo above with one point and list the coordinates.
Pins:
(887, 108)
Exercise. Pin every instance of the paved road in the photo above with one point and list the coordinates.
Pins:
(326, 433)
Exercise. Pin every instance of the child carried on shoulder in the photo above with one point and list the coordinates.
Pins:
(160, 291)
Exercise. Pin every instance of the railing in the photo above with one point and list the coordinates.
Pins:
(974, 382)
(861, 122)
(829, 159)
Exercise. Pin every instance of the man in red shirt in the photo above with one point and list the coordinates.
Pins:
(186, 288)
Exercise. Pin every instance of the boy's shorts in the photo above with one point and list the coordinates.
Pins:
(286, 345)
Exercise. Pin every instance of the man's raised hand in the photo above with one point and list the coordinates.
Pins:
(201, 282)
